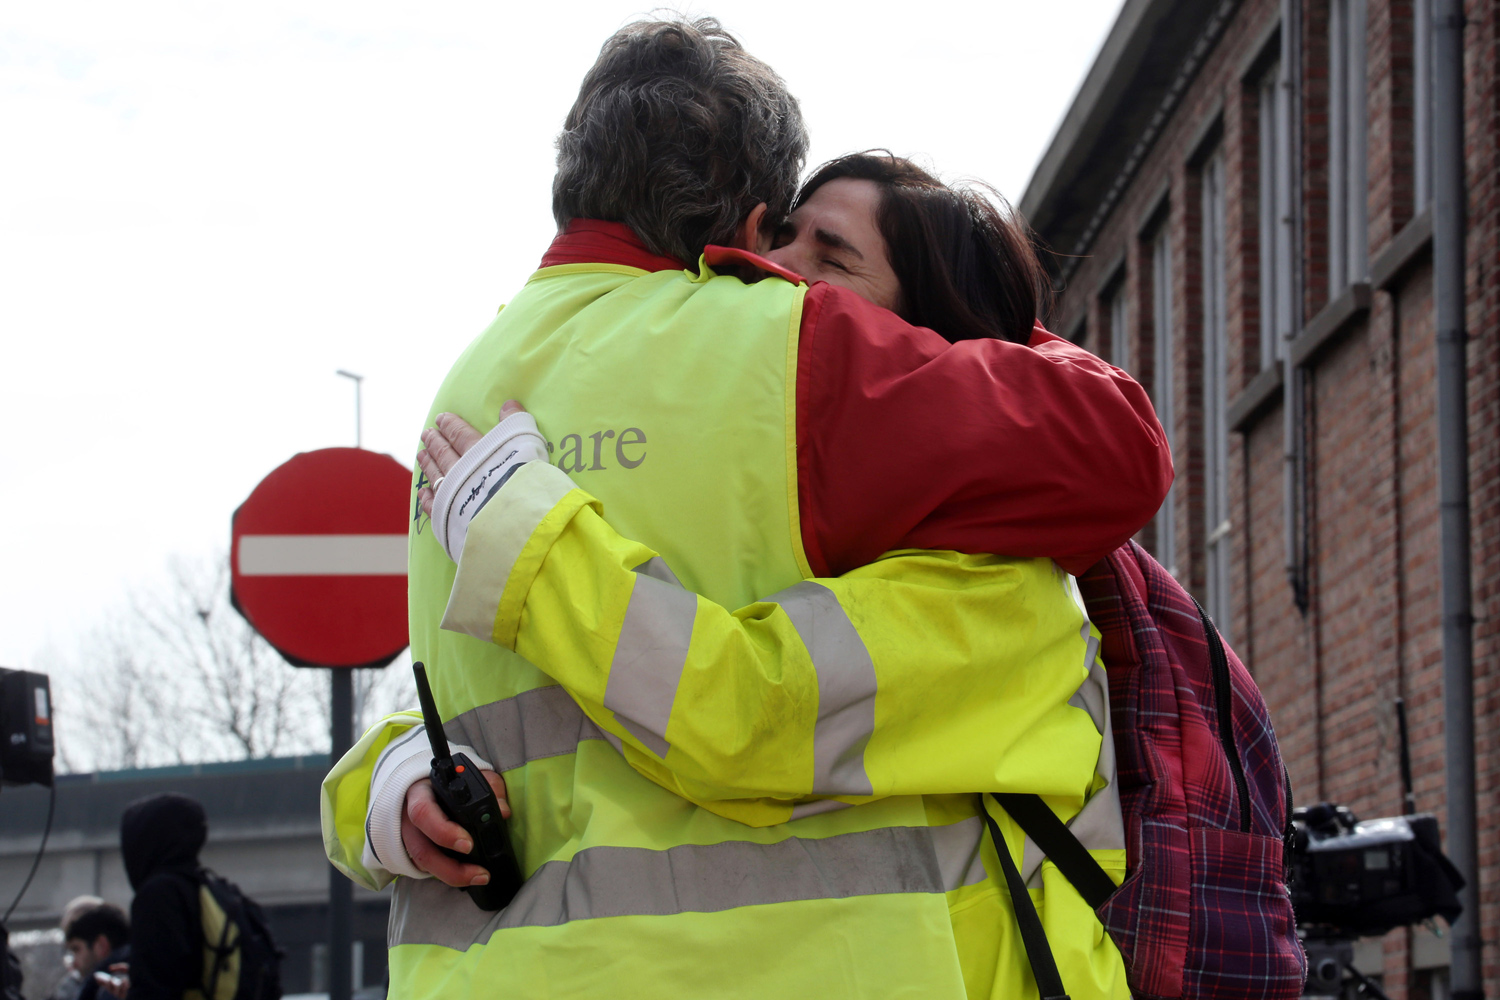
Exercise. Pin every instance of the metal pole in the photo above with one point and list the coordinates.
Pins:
(1449, 265)
(340, 889)
(359, 419)
(341, 738)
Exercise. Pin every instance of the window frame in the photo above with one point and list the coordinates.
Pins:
(1216, 499)
(1348, 146)
(1162, 389)
(1115, 310)
(1421, 140)
(1275, 214)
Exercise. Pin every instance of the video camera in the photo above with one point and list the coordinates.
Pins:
(1363, 879)
(25, 759)
(25, 728)
(1352, 879)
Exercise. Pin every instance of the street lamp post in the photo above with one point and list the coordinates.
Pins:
(341, 737)
(358, 381)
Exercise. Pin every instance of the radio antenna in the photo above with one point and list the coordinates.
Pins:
(433, 722)
(1408, 797)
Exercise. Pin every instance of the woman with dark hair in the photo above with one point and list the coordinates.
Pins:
(953, 259)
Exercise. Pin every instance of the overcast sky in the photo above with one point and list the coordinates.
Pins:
(206, 209)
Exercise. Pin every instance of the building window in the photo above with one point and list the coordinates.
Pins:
(1276, 309)
(1421, 105)
(1161, 383)
(1435, 981)
(1080, 330)
(1119, 333)
(1348, 243)
(1215, 397)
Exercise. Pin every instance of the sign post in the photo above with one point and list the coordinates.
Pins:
(318, 568)
(340, 889)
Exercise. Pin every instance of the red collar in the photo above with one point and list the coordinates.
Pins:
(730, 256)
(591, 241)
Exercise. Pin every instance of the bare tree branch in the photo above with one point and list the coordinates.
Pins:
(178, 675)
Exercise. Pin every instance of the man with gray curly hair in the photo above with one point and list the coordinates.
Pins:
(678, 133)
(673, 393)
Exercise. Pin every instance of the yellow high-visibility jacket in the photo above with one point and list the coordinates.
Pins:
(752, 712)
(775, 801)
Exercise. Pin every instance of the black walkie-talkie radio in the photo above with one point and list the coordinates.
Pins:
(469, 801)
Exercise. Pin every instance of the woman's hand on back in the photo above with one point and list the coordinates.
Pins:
(445, 445)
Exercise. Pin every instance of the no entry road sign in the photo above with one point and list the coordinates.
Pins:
(318, 558)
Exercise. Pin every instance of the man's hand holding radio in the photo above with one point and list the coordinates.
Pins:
(425, 829)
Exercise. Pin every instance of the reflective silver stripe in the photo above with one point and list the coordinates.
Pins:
(1031, 864)
(957, 849)
(690, 878)
(535, 724)
(500, 535)
(649, 657)
(1092, 695)
(846, 688)
(1100, 824)
(813, 808)
(656, 567)
(614, 741)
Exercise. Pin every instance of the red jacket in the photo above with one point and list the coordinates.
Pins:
(907, 441)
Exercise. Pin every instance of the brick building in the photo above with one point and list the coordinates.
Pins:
(1209, 141)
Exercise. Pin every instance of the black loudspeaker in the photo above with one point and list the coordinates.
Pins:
(26, 744)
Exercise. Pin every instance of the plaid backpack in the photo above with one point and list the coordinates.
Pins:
(1204, 911)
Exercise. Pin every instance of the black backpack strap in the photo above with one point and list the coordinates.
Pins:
(1224, 710)
(1033, 937)
(222, 950)
(1062, 848)
(220, 954)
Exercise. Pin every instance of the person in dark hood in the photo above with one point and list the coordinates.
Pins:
(160, 838)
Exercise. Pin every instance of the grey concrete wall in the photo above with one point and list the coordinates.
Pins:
(264, 835)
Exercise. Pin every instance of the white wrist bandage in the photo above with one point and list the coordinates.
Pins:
(481, 471)
(402, 764)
